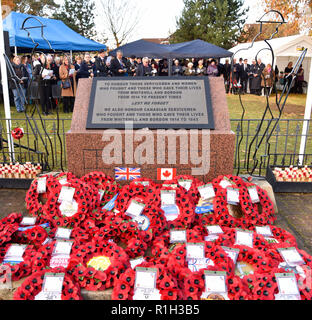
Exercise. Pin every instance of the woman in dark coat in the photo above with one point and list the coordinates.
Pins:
(43, 74)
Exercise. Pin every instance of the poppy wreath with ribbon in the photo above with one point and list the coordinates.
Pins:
(185, 205)
(96, 266)
(22, 269)
(265, 208)
(249, 216)
(129, 192)
(194, 286)
(104, 183)
(126, 233)
(178, 265)
(165, 283)
(281, 235)
(84, 195)
(33, 198)
(17, 133)
(227, 239)
(154, 222)
(41, 258)
(32, 286)
(262, 286)
(304, 255)
(8, 226)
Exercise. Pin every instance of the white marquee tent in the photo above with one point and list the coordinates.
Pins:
(285, 49)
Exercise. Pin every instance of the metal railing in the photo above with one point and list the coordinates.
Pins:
(283, 148)
(284, 144)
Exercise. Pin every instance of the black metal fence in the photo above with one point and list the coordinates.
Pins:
(45, 142)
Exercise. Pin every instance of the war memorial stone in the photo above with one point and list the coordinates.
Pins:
(151, 123)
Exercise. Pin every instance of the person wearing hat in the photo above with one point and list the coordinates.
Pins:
(100, 64)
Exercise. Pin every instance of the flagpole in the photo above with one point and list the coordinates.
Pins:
(5, 89)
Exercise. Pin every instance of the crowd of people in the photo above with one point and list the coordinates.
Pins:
(56, 77)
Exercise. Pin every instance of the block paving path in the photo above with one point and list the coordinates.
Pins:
(294, 213)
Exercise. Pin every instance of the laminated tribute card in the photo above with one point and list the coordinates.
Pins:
(178, 236)
(195, 251)
(291, 256)
(232, 253)
(42, 185)
(215, 286)
(244, 238)
(214, 229)
(233, 196)
(226, 182)
(288, 287)
(28, 221)
(186, 184)
(145, 284)
(66, 194)
(253, 194)
(135, 208)
(52, 287)
(63, 233)
(264, 231)
(14, 254)
(207, 192)
(168, 204)
(135, 262)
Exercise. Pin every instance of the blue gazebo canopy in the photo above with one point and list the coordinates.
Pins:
(191, 49)
(61, 37)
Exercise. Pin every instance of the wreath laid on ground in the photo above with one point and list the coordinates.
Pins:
(32, 286)
(97, 265)
(165, 283)
(22, 269)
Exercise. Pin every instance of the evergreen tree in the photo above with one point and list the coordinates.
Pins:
(79, 16)
(216, 21)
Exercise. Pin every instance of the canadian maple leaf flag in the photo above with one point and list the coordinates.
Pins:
(166, 174)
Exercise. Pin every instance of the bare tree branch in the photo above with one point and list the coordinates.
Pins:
(122, 18)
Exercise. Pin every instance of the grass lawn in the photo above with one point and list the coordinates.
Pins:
(254, 106)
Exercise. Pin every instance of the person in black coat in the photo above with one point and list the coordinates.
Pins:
(118, 66)
(18, 85)
(87, 68)
(244, 75)
(43, 75)
(227, 75)
(132, 65)
(100, 64)
(144, 69)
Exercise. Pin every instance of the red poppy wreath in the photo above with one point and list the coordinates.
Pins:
(97, 265)
(165, 283)
(32, 286)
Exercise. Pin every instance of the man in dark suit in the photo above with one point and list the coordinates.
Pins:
(100, 64)
(144, 69)
(244, 75)
(118, 66)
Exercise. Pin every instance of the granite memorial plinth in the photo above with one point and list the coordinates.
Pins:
(130, 124)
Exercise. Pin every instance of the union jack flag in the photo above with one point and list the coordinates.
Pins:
(127, 173)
